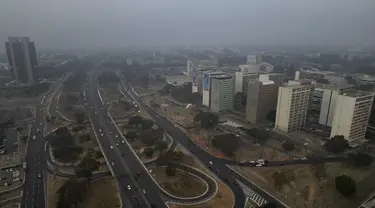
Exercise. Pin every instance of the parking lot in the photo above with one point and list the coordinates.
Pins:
(10, 177)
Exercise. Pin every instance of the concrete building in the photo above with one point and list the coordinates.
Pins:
(278, 79)
(21, 58)
(251, 59)
(241, 79)
(324, 99)
(292, 105)
(314, 74)
(351, 116)
(207, 76)
(194, 65)
(336, 79)
(197, 79)
(221, 93)
(261, 99)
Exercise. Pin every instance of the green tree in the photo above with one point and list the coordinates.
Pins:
(337, 144)
(345, 185)
(206, 119)
(70, 193)
(148, 151)
(360, 159)
(86, 168)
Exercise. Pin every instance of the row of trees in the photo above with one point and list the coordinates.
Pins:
(206, 119)
(72, 192)
(138, 121)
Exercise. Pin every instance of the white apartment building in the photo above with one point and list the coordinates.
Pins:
(324, 99)
(278, 79)
(221, 93)
(351, 116)
(207, 76)
(292, 105)
(251, 59)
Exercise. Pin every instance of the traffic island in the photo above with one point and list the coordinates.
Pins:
(178, 182)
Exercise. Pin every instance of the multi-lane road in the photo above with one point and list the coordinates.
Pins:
(33, 192)
(125, 165)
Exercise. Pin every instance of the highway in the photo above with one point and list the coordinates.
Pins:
(126, 167)
(218, 167)
(33, 192)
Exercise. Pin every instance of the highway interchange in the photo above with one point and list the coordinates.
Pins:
(125, 166)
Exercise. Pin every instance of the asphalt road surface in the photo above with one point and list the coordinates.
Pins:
(34, 193)
(127, 168)
(218, 167)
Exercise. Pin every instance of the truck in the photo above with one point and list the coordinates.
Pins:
(24, 165)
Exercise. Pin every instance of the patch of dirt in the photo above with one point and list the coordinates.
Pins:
(180, 185)
(101, 194)
(298, 185)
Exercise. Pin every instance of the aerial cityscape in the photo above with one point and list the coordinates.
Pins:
(187, 104)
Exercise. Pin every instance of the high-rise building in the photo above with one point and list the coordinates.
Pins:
(207, 76)
(352, 113)
(292, 105)
(324, 99)
(22, 58)
(221, 93)
(197, 79)
(241, 79)
(261, 99)
(277, 78)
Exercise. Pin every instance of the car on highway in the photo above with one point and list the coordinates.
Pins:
(112, 163)
(96, 112)
(39, 175)
(210, 162)
(111, 147)
(123, 141)
(129, 187)
(41, 124)
(116, 136)
(117, 144)
(144, 191)
(34, 137)
(101, 134)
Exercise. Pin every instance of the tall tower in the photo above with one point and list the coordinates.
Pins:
(22, 58)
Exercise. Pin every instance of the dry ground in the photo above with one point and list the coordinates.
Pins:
(117, 110)
(175, 185)
(302, 188)
(111, 92)
(101, 194)
(54, 183)
(17, 114)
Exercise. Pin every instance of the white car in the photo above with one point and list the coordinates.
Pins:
(157, 116)
(101, 134)
(34, 137)
(41, 124)
(112, 163)
(111, 147)
(96, 112)
(144, 191)
(39, 175)
(210, 162)
(116, 144)
(129, 187)
(100, 130)
(116, 136)
(123, 141)
(259, 165)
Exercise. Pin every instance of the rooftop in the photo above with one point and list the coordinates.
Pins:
(357, 94)
(224, 76)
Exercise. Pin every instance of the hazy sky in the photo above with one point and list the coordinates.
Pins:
(118, 23)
